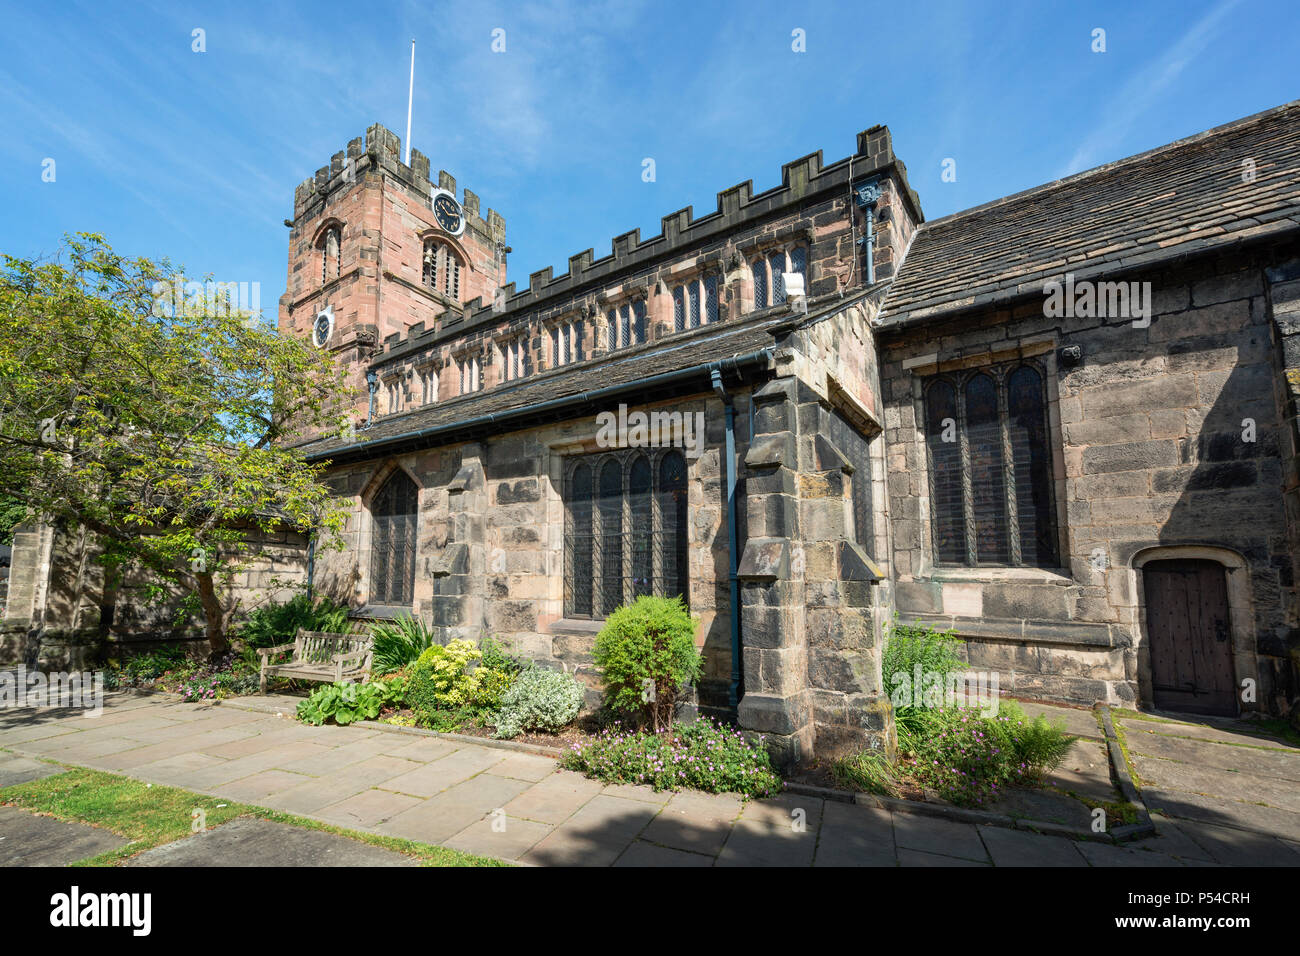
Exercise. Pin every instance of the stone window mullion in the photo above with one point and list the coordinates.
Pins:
(597, 542)
(967, 492)
(1009, 473)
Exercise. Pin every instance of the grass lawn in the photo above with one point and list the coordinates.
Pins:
(154, 815)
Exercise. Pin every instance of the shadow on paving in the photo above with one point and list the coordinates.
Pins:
(1239, 802)
(247, 841)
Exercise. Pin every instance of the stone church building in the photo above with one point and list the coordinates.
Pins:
(1062, 423)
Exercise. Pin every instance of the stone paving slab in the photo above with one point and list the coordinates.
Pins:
(1157, 773)
(914, 831)
(1022, 848)
(529, 767)
(247, 841)
(781, 831)
(1101, 854)
(1085, 772)
(921, 858)
(505, 840)
(520, 806)
(1080, 722)
(697, 822)
(554, 799)
(1281, 764)
(641, 853)
(855, 835)
(29, 839)
(16, 769)
(1236, 847)
(1237, 732)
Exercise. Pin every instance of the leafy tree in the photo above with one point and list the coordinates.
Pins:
(12, 514)
(159, 422)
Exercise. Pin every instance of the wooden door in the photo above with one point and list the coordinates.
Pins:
(1189, 637)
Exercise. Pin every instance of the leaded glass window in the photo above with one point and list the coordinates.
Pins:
(625, 530)
(990, 467)
(394, 517)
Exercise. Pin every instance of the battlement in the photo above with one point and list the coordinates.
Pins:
(381, 149)
(802, 180)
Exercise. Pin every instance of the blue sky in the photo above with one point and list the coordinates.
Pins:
(196, 155)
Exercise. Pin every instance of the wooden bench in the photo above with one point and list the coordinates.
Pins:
(320, 656)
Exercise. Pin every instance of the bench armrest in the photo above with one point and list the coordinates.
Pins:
(266, 652)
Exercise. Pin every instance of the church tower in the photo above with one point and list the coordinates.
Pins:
(376, 247)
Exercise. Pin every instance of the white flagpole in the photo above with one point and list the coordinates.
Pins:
(410, 95)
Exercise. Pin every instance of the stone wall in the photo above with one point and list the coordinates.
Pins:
(1164, 436)
(490, 552)
(65, 612)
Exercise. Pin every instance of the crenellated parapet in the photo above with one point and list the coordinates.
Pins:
(741, 222)
(381, 150)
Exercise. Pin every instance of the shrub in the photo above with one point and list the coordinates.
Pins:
(399, 642)
(144, 668)
(867, 772)
(539, 700)
(448, 685)
(907, 648)
(647, 654)
(495, 657)
(274, 623)
(702, 755)
(970, 759)
(344, 703)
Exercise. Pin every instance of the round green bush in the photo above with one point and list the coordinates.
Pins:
(647, 654)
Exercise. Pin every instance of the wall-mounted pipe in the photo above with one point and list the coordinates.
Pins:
(372, 380)
(733, 560)
(868, 193)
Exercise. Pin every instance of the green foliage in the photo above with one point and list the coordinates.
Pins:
(908, 648)
(398, 642)
(277, 623)
(539, 699)
(866, 772)
(496, 657)
(147, 667)
(647, 653)
(345, 703)
(12, 513)
(970, 759)
(449, 685)
(163, 425)
(701, 756)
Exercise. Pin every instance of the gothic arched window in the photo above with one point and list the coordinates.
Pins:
(625, 531)
(990, 467)
(441, 271)
(394, 515)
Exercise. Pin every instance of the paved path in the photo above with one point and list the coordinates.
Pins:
(1235, 792)
(518, 806)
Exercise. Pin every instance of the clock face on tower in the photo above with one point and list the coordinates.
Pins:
(323, 326)
(448, 212)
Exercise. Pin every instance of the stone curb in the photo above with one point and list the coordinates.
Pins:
(244, 703)
(1127, 787)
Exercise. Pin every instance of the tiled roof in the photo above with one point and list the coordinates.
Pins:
(625, 368)
(1188, 197)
